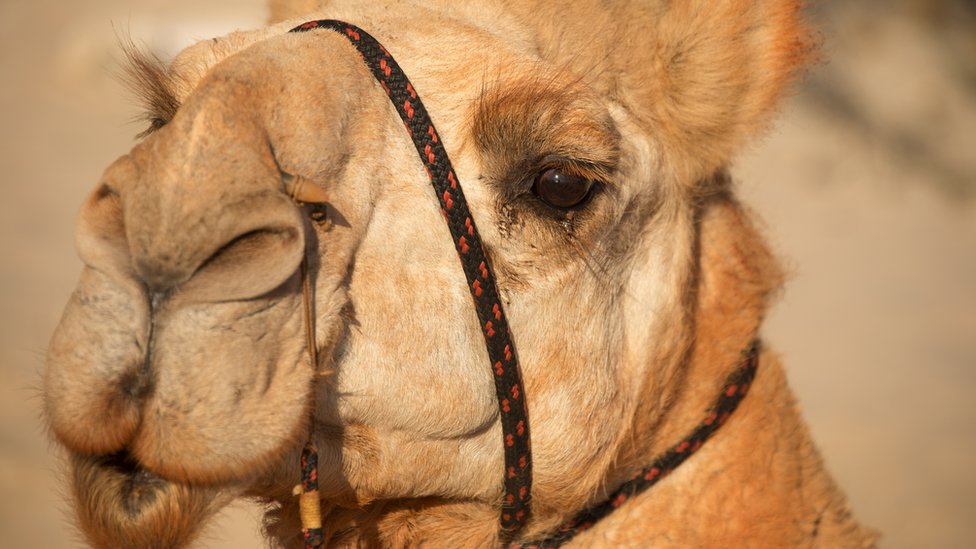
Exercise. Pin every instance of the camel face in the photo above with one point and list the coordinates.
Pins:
(198, 244)
(178, 379)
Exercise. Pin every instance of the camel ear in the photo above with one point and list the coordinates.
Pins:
(707, 76)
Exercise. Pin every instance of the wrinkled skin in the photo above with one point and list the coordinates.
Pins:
(177, 379)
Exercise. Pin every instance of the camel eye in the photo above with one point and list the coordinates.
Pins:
(155, 123)
(562, 190)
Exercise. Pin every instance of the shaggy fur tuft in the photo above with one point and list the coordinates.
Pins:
(145, 75)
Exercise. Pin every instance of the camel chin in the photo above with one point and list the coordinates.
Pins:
(120, 504)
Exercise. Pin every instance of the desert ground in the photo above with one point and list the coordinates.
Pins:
(866, 186)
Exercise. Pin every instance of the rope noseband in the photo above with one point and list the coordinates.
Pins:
(501, 350)
(477, 270)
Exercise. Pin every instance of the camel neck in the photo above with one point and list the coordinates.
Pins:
(733, 392)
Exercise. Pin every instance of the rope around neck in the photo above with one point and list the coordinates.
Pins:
(501, 350)
(735, 389)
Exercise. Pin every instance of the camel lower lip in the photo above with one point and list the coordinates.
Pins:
(122, 504)
(138, 487)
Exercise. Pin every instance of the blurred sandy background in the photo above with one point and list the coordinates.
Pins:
(867, 187)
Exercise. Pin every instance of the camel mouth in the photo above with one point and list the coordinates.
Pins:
(138, 486)
(119, 481)
(146, 508)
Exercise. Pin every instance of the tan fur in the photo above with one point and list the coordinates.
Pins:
(177, 378)
(119, 509)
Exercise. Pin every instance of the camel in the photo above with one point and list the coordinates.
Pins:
(592, 140)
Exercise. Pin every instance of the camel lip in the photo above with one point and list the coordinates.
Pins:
(122, 462)
(120, 503)
(138, 486)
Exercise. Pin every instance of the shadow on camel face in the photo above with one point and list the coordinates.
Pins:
(177, 378)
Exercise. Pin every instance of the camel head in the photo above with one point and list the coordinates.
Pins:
(591, 140)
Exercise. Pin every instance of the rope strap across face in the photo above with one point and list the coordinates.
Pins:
(477, 270)
(309, 505)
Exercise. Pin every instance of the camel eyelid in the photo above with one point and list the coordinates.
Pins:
(155, 123)
(599, 173)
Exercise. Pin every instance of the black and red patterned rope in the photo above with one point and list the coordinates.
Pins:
(313, 535)
(477, 269)
(734, 390)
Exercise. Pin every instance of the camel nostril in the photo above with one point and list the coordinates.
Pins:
(250, 264)
(246, 247)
